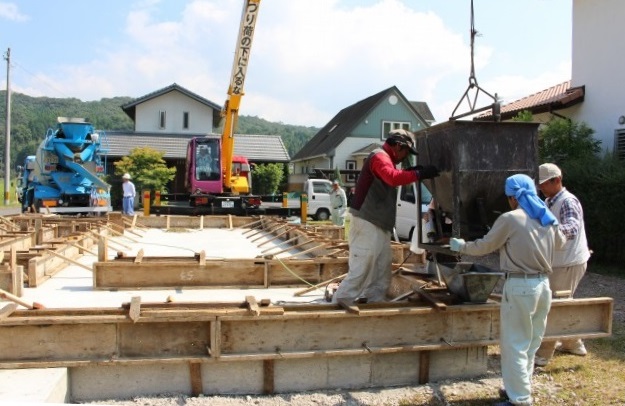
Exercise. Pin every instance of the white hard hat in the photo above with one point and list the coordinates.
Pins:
(126, 176)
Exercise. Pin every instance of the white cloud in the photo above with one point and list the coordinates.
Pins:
(513, 87)
(309, 59)
(10, 11)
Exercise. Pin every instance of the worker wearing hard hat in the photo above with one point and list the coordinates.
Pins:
(338, 201)
(128, 201)
(527, 238)
(569, 264)
(373, 209)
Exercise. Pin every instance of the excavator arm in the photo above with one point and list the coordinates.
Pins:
(230, 112)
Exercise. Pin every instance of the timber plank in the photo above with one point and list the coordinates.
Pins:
(230, 333)
(127, 274)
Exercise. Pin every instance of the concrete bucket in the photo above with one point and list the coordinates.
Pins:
(474, 159)
(471, 282)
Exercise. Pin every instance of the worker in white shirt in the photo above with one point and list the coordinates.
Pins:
(338, 200)
(128, 201)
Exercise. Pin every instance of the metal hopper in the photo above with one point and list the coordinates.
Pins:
(474, 159)
(471, 282)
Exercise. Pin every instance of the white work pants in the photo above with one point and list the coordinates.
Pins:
(564, 278)
(523, 318)
(338, 217)
(369, 263)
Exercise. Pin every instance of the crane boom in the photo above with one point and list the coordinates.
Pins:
(235, 91)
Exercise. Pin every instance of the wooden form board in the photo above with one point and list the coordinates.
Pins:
(204, 332)
(44, 265)
(19, 241)
(174, 272)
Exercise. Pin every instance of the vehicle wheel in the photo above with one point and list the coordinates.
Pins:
(322, 215)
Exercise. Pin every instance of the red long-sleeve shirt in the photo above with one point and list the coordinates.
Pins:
(382, 166)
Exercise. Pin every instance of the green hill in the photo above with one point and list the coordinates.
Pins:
(32, 116)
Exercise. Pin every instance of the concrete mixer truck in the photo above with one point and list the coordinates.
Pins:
(66, 174)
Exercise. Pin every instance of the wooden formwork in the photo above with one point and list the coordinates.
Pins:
(208, 337)
(154, 272)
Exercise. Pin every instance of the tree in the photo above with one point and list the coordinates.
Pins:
(266, 178)
(147, 168)
(524, 116)
(561, 140)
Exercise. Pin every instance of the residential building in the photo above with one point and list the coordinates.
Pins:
(594, 94)
(346, 140)
(167, 118)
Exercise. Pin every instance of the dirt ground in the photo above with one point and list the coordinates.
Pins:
(475, 392)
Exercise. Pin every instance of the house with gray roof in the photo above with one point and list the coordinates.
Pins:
(346, 140)
(168, 118)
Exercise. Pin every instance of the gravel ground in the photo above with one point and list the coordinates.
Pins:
(475, 392)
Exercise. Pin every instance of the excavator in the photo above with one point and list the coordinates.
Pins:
(215, 176)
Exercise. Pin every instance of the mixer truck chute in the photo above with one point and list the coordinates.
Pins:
(66, 174)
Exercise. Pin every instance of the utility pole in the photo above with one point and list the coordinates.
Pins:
(7, 143)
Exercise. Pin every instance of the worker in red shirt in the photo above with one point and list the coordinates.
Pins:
(373, 208)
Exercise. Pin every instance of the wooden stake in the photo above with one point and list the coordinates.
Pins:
(73, 244)
(135, 308)
(6, 295)
(69, 260)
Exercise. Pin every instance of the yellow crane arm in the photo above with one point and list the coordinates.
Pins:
(230, 111)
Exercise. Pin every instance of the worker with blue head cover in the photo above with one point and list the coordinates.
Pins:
(526, 237)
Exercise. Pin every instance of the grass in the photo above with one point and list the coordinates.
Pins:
(596, 379)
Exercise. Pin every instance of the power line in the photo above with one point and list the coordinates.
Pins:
(38, 78)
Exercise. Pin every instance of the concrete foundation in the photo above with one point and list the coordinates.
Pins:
(40, 385)
(289, 375)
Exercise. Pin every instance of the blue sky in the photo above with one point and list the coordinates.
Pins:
(309, 59)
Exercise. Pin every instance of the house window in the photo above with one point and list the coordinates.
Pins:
(161, 120)
(619, 145)
(350, 165)
(387, 126)
(185, 120)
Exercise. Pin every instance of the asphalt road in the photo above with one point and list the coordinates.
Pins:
(7, 211)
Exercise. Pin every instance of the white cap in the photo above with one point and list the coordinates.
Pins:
(548, 171)
(126, 176)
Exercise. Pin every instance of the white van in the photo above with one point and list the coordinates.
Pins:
(406, 220)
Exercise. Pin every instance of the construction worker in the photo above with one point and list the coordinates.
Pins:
(373, 209)
(129, 192)
(569, 264)
(527, 238)
(338, 202)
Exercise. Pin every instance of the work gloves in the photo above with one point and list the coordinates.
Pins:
(456, 244)
(426, 172)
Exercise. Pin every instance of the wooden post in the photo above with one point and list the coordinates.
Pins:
(38, 232)
(102, 249)
(146, 203)
(303, 208)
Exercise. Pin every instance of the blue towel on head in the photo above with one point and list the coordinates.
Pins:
(522, 188)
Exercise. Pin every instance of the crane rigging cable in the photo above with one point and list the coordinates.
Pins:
(473, 84)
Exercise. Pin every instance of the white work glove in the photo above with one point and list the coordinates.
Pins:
(456, 244)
